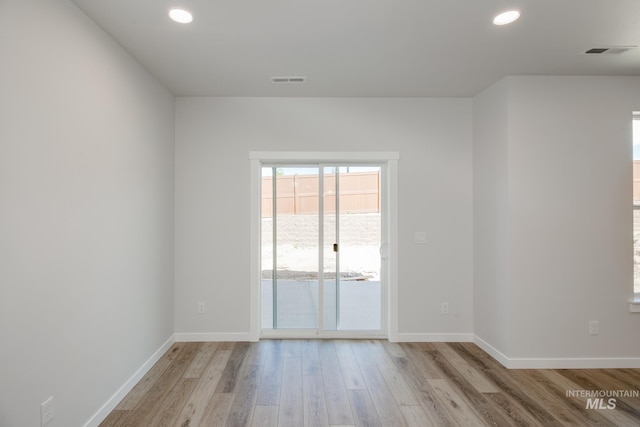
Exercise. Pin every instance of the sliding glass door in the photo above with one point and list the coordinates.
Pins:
(320, 244)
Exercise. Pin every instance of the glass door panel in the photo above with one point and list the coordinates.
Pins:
(267, 319)
(360, 232)
(326, 246)
(296, 248)
(290, 266)
(330, 282)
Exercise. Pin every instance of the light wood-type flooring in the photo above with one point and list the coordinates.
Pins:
(301, 383)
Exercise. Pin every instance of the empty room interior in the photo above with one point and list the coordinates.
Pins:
(391, 209)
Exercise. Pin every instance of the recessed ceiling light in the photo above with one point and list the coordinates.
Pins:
(506, 17)
(181, 16)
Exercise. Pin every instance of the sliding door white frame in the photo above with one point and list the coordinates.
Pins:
(389, 249)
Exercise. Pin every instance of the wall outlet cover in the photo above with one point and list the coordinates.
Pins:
(420, 237)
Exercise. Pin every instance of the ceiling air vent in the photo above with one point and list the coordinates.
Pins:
(597, 50)
(609, 50)
(295, 79)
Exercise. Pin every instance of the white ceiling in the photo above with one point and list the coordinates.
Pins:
(367, 47)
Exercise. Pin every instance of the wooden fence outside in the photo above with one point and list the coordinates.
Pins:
(298, 194)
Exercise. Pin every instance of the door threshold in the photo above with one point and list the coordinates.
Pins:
(313, 335)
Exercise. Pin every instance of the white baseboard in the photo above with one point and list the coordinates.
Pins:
(557, 362)
(575, 363)
(114, 400)
(409, 337)
(491, 350)
(212, 336)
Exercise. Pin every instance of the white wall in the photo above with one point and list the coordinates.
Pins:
(490, 178)
(86, 214)
(569, 219)
(213, 140)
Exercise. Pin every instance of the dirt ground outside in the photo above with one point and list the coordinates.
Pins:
(297, 250)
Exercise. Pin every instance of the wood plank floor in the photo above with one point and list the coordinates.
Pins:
(365, 383)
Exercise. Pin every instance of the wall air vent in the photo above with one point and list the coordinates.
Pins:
(292, 79)
(609, 50)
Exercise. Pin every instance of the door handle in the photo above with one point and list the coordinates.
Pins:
(335, 247)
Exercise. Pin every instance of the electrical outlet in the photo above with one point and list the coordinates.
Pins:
(594, 327)
(201, 307)
(444, 308)
(46, 411)
(420, 237)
